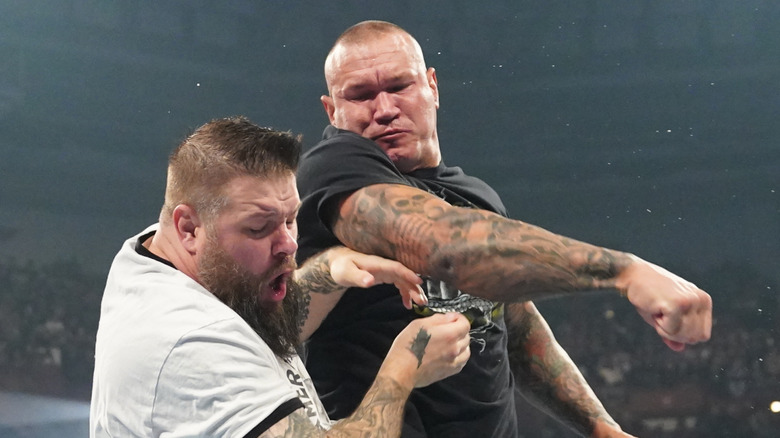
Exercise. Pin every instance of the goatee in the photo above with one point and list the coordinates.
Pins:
(279, 325)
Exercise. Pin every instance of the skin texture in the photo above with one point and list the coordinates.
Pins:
(380, 88)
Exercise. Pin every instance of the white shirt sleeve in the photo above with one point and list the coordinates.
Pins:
(219, 380)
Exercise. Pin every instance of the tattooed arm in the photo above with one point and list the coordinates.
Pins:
(548, 378)
(506, 260)
(427, 350)
(324, 278)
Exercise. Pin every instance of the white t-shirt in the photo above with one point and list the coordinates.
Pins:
(172, 360)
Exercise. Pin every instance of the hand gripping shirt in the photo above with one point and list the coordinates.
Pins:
(347, 350)
(171, 360)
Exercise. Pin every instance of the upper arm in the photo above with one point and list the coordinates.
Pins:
(393, 221)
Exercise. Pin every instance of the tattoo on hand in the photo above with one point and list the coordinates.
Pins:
(419, 344)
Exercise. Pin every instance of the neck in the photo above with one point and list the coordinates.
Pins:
(164, 244)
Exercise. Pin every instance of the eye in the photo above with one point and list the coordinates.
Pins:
(362, 97)
(397, 88)
(258, 232)
(292, 222)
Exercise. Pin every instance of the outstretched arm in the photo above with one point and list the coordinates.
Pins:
(548, 378)
(506, 260)
(427, 350)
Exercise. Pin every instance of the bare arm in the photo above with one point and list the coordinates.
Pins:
(325, 277)
(506, 260)
(427, 350)
(548, 378)
(379, 415)
(475, 250)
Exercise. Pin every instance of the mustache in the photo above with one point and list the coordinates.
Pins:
(287, 264)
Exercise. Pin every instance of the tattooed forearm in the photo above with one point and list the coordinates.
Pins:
(379, 415)
(546, 375)
(318, 292)
(314, 275)
(419, 344)
(474, 250)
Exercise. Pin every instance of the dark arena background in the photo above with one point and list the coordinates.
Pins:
(646, 126)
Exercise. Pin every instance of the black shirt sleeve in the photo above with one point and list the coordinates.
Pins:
(277, 415)
(334, 168)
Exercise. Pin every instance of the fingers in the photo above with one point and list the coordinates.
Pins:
(689, 320)
(448, 347)
(674, 345)
(351, 268)
(411, 293)
(392, 272)
(354, 269)
(680, 312)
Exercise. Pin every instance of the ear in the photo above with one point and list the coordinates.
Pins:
(433, 83)
(188, 227)
(327, 102)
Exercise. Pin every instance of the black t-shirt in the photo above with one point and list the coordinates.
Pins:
(345, 353)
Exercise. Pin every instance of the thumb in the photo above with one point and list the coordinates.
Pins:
(674, 345)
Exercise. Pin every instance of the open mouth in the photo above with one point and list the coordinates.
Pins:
(278, 287)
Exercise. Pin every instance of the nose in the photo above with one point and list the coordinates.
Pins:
(385, 109)
(285, 241)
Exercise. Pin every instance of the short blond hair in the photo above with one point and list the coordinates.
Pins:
(219, 151)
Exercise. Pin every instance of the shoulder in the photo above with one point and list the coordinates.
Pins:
(344, 161)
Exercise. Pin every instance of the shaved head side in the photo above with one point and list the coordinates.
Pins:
(363, 32)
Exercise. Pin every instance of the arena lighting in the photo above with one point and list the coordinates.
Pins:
(775, 406)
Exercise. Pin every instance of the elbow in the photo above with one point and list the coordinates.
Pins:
(455, 265)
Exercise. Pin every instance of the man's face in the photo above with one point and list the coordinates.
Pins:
(381, 90)
(247, 257)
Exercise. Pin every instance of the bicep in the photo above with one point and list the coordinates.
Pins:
(393, 221)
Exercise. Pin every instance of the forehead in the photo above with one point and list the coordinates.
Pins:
(388, 55)
(248, 195)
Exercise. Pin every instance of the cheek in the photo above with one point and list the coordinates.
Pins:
(254, 256)
(352, 118)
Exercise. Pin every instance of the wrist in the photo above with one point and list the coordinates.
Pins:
(624, 267)
(402, 371)
(605, 427)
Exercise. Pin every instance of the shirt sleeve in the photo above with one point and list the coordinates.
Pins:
(221, 380)
(336, 167)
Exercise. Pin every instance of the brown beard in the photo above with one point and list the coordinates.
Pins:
(276, 324)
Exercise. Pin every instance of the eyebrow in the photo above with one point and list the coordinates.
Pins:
(265, 211)
(360, 83)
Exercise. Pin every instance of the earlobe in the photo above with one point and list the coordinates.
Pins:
(186, 222)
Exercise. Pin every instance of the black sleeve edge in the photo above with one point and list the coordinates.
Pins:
(282, 411)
